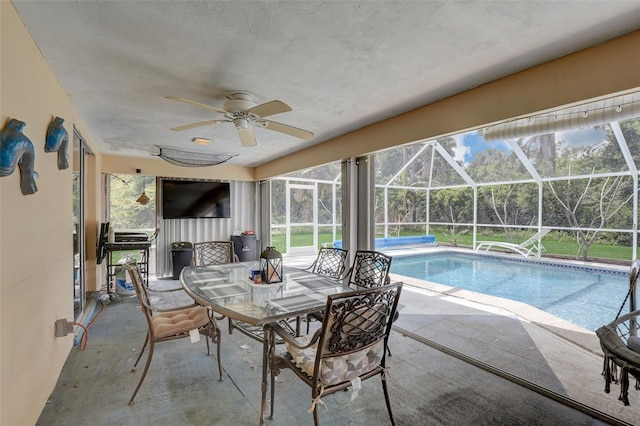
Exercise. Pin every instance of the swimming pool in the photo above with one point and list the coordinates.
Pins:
(586, 296)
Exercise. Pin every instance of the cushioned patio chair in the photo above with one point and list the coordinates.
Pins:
(170, 324)
(213, 253)
(349, 347)
(532, 246)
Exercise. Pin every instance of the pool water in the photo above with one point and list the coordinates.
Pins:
(588, 297)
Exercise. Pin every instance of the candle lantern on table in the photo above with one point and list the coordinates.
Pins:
(271, 266)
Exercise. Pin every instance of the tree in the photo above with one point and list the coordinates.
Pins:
(455, 206)
(591, 206)
(124, 211)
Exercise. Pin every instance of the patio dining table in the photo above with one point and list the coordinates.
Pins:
(228, 290)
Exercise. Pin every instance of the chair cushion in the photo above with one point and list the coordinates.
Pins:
(167, 324)
(337, 369)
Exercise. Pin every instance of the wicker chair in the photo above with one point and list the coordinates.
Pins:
(350, 345)
(213, 253)
(170, 324)
(620, 343)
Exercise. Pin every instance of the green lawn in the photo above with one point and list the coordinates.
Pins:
(563, 248)
(301, 240)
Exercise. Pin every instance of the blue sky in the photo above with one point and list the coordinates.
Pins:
(469, 144)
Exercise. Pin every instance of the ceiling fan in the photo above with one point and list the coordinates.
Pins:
(241, 109)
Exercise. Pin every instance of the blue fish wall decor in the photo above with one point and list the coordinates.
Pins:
(17, 149)
(58, 140)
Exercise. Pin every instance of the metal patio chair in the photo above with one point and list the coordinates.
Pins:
(330, 262)
(170, 324)
(348, 348)
(213, 253)
(370, 269)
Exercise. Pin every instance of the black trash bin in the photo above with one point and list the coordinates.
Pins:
(181, 254)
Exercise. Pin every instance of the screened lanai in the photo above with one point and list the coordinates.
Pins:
(573, 170)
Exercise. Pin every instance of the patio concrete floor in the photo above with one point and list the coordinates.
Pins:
(457, 360)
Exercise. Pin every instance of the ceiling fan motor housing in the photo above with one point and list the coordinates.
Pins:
(239, 101)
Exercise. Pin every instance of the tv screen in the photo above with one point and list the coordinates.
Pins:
(183, 199)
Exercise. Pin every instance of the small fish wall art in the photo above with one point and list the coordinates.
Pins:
(58, 140)
(17, 149)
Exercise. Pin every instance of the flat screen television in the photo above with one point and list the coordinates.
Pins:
(182, 199)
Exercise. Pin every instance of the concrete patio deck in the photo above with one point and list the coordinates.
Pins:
(458, 359)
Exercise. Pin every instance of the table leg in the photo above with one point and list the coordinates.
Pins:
(266, 350)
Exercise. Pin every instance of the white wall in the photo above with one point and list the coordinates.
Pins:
(243, 217)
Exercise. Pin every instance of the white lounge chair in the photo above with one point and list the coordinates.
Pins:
(532, 246)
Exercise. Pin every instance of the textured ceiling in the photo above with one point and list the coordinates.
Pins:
(341, 65)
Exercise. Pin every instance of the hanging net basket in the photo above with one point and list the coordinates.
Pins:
(182, 158)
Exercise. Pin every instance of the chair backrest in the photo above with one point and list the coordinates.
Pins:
(370, 269)
(331, 262)
(141, 290)
(355, 333)
(534, 239)
(213, 253)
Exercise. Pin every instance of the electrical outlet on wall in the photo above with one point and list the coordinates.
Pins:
(63, 327)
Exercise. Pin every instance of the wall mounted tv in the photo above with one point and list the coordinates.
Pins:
(183, 199)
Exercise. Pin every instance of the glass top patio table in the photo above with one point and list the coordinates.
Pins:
(229, 290)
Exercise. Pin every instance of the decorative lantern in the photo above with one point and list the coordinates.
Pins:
(271, 266)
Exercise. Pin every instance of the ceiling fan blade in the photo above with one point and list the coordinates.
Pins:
(198, 124)
(246, 136)
(198, 104)
(269, 108)
(286, 129)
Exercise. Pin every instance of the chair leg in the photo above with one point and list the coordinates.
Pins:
(316, 420)
(144, 345)
(208, 346)
(386, 398)
(144, 372)
(213, 332)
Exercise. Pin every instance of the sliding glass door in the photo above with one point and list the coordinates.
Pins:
(79, 246)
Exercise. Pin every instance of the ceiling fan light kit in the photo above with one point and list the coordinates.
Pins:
(241, 123)
(241, 109)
